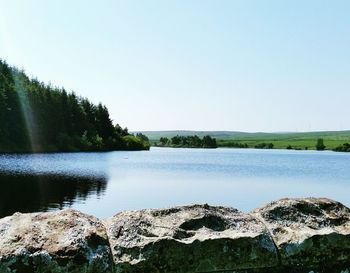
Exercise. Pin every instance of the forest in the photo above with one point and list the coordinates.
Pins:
(36, 117)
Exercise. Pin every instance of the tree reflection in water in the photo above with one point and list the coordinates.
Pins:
(31, 193)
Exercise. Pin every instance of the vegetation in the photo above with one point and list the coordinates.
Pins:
(342, 148)
(237, 145)
(264, 146)
(187, 142)
(295, 141)
(35, 117)
(290, 147)
(320, 145)
(143, 137)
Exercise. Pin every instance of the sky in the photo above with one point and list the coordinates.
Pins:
(239, 65)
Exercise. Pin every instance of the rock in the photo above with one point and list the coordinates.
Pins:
(189, 239)
(62, 241)
(290, 235)
(309, 233)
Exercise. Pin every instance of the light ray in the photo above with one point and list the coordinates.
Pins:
(27, 114)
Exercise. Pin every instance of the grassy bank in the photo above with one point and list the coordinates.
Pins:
(305, 140)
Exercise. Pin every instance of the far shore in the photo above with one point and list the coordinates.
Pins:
(324, 140)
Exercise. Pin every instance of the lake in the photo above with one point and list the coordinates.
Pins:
(103, 184)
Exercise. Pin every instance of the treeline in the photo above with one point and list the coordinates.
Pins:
(342, 148)
(187, 142)
(264, 146)
(35, 117)
(235, 145)
(242, 145)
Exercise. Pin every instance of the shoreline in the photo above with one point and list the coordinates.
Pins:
(250, 148)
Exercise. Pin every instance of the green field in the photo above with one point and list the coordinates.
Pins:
(280, 140)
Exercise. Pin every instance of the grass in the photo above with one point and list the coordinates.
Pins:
(282, 143)
(331, 139)
(296, 140)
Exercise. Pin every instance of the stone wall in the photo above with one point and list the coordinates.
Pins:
(289, 235)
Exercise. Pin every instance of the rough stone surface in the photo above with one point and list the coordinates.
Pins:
(189, 239)
(309, 233)
(290, 236)
(62, 241)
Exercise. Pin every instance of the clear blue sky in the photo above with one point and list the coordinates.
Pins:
(203, 65)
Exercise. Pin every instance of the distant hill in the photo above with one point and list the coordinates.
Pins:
(281, 140)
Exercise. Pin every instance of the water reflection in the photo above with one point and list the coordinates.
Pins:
(30, 193)
(164, 177)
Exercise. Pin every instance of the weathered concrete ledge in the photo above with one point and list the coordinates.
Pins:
(289, 235)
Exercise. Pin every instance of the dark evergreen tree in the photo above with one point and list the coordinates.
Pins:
(143, 137)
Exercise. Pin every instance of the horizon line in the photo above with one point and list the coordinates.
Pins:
(233, 131)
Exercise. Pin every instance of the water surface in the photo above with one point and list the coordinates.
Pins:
(103, 184)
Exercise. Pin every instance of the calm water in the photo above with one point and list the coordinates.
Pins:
(103, 184)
